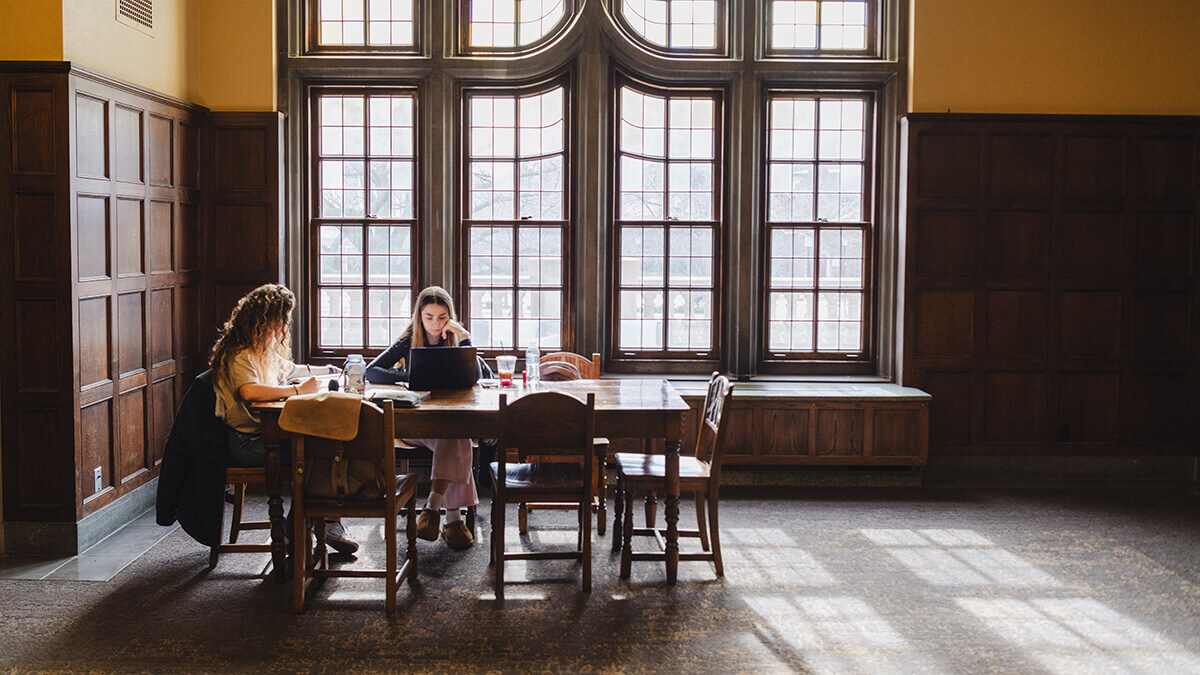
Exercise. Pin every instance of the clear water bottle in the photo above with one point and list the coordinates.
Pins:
(532, 358)
(354, 372)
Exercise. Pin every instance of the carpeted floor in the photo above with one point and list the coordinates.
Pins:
(883, 580)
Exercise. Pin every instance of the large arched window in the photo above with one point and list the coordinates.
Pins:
(666, 222)
(364, 222)
(696, 26)
(514, 215)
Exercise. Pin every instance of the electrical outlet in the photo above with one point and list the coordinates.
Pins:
(99, 480)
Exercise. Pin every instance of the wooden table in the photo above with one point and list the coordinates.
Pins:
(634, 408)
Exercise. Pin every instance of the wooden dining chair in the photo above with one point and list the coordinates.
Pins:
(587, 370)
(239, 477)
(375, 444)
(699, 473)
(538, 424)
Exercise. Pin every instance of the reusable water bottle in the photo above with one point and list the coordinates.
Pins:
(353, 372)
(532, 357)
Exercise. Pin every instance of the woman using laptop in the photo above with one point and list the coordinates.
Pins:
(435, 324)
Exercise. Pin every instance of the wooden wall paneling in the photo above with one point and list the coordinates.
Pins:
(785, 432)
(1082, 284)
(242, 230)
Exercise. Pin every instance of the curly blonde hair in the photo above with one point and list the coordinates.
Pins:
(256, 320)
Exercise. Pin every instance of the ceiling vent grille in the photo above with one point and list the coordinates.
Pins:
(137, 14)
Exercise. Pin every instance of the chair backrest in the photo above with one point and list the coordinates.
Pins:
(710, 441)
(376, 442)
(588, 369)
(547, 422)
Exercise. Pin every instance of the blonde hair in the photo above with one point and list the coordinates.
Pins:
(253, 325)
(433, 295)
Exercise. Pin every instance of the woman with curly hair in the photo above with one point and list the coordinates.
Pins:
(250, 363)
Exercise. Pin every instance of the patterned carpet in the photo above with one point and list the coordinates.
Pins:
(882, 580)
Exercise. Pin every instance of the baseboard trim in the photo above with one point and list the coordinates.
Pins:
(1145, 472)
(74, 538)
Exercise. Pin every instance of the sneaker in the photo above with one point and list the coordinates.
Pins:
(457, 536)
(427, 524)
(335, 536)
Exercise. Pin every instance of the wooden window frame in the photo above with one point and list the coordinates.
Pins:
(720, 49)
(312, 32)
(872, 49)
(463, 33)
(313, 223)
(565, 79)
(667, 360)
(816, 362)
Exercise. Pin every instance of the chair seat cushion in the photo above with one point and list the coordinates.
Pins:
(638, 465)
(538, 475)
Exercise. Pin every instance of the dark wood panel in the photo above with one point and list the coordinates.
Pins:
(189, 155)
(241, 157)
(840, 432)
(950, 412)
(131, 224)
(132, 434)
(161, 151)
(897, 433)
(785, 431)
(1088, 407)
(162, 325)
(1161, 329)
(162, 236)
(127, 144)
(93, 234)
(1159, 409)
(35, 241)
(189, 238)
(91, 136)
(1165, 245)
(945, 243)
(944, 323)
(1094, 167)
(1014, 407)
(38, 344)
(39, 484)
(1016, 323)
(1017, 243)
(1021, 166)
(162, 414)
(1092, 244)
(743, 435)
(34, 146)
(948, 165)
(94, 329)
(245, 234)
(1090, 324)
(1166, 167)
(131, 346)
(96, 446)
(188, 321)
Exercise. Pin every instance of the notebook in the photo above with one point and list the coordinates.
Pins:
(441, 368)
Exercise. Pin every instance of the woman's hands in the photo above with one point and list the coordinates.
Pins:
(456, 328)
(309, 385)
(254, 392)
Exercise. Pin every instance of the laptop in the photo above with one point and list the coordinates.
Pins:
(441, 368)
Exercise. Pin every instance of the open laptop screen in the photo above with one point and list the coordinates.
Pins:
(441, 368)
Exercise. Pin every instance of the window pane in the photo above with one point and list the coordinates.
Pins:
(812, 25)
(674, 24)
(377, 23)
(511, 23)
(517, 154)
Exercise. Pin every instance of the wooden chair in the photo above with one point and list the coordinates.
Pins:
(588, 370)
(239, 477)
(700, 474)
(375, 442)
(543, 423)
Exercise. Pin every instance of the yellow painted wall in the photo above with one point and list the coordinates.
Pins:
(232, 64)
(1061, 56)
(31, 30)
(92, 38)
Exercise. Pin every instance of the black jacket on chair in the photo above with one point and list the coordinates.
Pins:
(191, 484)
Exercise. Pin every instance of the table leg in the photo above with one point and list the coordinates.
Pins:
(672, 471)
(275, 501)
